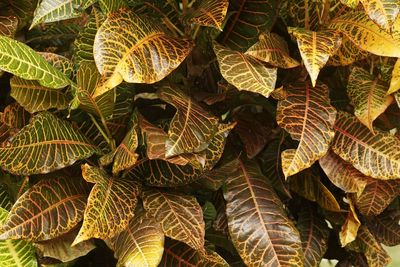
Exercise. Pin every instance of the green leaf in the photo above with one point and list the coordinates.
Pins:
(377, 155)
(16, 253)
(209, 13)
(47, 210)
(55, 10)
(364, 33)
(245, 72)
(46, 144)
(192, 127)
(180, 216)
(316, 48)
(347, 54)
(272, 49)
(368, 96)
(306, 113)
(8, 26)
(314, 233)
(249, 19)
(140, 244)
(254, 213)
(22, 61)
(108, 6)
(134, 49)
(179, 254)
(382, 12)
(111, 205)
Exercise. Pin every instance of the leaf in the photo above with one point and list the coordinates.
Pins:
(364, 33)
(111, 205)
(60, 248)
(179, 254)
(210, 13)
(16, 253)
(377, 155)
(245, 72)
(254, 214)
(108, 6)
(8, 26)
(316, 48)
(349, 230)
(395, 80)
(140, 244)
(386, 228)
(368, 96)
(46, 144)
(306, 113)
(14, 116)
(87, 79)
(180, 216)
(314, 233)
(350, 3)
(249, 19)
(347, 54)
(382, 12)
(306, 14)
(22, 61)
(47, 210)
(192, 127)
(272, 49)
(21, 9)
(134, 49)
(343, 174)
(309, 186)
(50, 10)
(56, 34)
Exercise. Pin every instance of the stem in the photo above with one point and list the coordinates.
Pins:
(21, 189)
(106, 136)
(185, 4)
(172, 26)
(325, 12)
(196, 32)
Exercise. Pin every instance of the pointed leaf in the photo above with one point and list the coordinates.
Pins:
(349, 230)
(210, 13)
(316, 48)
(8, 26)
(16, 253)
(213, 179)
(273, 49)
(382, 12)
(386, 228)
(180, 216)
(314, 233)
(367, 95)
(46, 144)
(47, 210)
(254, 214)
(192, 127)
(347, 54)
(364, 33)
(55, 10)
(179, 254)
(111, 205)
(378, 155)
(395, 80)
(245, 72)
(306, 113)
(134, 49)
(21, 60)
(140, 244)
(249, 19)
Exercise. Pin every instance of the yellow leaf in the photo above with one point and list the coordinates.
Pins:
(382, 12)
(350, 227)
(395, 81)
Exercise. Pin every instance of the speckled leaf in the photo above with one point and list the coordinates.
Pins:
(140, 244)
(305, 13)
(134, 49)
(314, 234)
(108, 6)
(395, 80)
(258, 225)
(192, 127)
(273, 49)
(47, 210)
(111, 204)
(22, 61)
(55, 10)
(376, 155)
(347, 54)
(316, 48)
(249, 19)
(348, 232)
(180, 216)
(350, 3)
(46, 144)
(367, 35)
(382, 12)
(179, 254)
(386, 228)
(245, 72)
(306, 113)
(210, 13)
(8, 26)
(368, 96)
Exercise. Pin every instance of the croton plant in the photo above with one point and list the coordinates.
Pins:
(199, 133)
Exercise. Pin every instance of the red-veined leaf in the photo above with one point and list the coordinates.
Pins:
(385, 227)
(210, 13)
